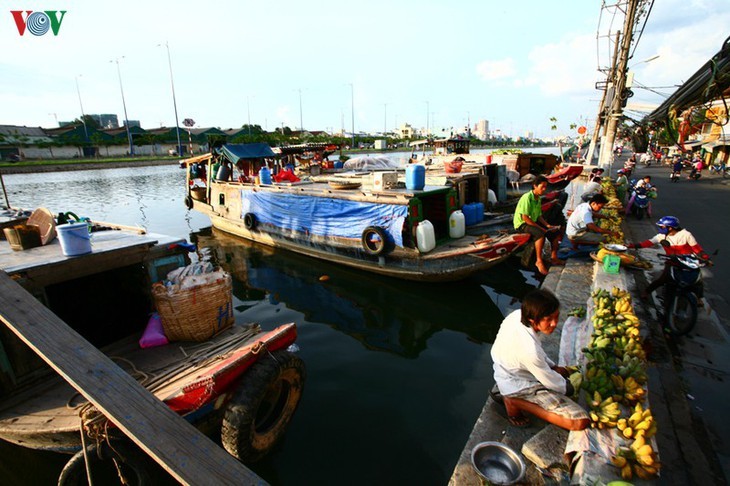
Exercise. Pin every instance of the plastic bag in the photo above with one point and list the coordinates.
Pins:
(153, 334)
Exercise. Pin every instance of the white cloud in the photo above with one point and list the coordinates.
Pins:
(567, 67)
(496, 70)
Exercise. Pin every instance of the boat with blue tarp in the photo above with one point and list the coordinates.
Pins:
(396, 231)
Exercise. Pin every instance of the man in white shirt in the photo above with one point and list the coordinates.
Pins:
(592, 188)
(526, 378)
(581, 228)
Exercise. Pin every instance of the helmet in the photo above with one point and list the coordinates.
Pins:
(620, 171)
(666, 222)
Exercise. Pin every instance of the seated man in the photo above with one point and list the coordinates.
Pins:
(591, 188)
(528, 219)
(526, 378)
(581, 228)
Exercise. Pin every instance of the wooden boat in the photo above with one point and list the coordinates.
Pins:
(560, 178)
(373, 230)
(105, 297)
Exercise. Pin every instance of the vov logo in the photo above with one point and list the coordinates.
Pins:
(38, 23)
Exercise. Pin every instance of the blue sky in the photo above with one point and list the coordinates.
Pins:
(515, 64)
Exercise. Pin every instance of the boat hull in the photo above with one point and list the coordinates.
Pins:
(448, 262)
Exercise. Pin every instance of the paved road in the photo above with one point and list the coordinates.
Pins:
(703, 357)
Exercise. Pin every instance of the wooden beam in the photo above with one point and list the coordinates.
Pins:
(182, 450)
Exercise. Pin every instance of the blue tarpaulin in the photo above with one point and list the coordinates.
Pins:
(237, 151)
(324, 216)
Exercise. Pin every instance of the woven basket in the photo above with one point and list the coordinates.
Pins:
(197, 313)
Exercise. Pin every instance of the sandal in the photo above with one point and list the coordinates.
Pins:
(496, 396)
(518, 420)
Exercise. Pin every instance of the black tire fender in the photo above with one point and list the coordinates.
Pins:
(131, 460)
(188, 202)
(262, 405)
(374, 240)
(249, 221)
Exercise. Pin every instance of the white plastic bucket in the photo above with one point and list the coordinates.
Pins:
(425, 236)
(74, 238)
(457, 224)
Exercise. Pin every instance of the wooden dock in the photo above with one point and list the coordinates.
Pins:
(183, 451)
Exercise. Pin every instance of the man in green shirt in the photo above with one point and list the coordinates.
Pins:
(528, 219)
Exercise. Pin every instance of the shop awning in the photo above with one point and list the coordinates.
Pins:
(709, 146)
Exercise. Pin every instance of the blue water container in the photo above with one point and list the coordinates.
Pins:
(265, 175)
(415, 177)
(339, 164)
(478, 212)
(468, 210)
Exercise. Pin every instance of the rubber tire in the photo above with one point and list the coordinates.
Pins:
(188, 202)
(680, 328)
(249, 221)
(371, 247)
(262, 406)
(131, 458)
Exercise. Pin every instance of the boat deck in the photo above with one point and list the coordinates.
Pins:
(113, 248)
(46, 415)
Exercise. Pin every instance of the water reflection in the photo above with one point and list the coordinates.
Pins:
(382, 313)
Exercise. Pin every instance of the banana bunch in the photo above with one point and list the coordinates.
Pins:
(631, 366)
(633, 392)
(604, 413)
(630, 345)
(639, 459)
(596, 380)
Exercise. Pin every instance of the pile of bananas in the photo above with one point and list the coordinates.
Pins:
(614, 211)
(604, 412)
(614, 381)
(639, 459)
(640, 424)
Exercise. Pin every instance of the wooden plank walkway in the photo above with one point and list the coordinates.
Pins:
(182, 450)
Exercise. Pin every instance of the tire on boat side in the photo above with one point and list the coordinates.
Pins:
(249, 221)
(374, 246)
(262, 405)
(188, 202)
(131, 460)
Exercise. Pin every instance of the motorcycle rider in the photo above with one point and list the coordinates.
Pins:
(678, 166)
(697, 166)
(676, 241)
(642, 185)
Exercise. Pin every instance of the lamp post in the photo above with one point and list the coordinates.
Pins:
(83, 120)
(301, 123)
(174, 101)
(427, 115)
(124, 105)
(385, 118)
(248, 113)
(352, 109)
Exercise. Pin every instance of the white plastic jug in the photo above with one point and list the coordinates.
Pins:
(457, 224)
(425, 236)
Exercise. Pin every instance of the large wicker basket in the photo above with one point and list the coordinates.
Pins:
(196, 313)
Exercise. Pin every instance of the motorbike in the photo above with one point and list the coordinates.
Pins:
(718, 169)
(675, 175)
(694, 174)
(646, 159)
(680, 297)
(640, 199)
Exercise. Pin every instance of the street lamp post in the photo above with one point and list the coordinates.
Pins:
(352, 109)
(124, 105)
(174, 101)
(385, 118)
(301, 122)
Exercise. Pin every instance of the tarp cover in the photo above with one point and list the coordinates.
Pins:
(324, 216)
(237, 151)
(371, 163)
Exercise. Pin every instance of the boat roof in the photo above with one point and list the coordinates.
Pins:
(241, 151)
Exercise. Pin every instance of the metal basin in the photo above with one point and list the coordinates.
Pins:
(497, 463)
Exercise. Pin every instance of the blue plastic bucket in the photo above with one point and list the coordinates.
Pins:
(339, 164)
(415, 177)
(74, 238)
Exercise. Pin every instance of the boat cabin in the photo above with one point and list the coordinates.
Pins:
(451, 146)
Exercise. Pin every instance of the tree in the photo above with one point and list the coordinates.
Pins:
(88, 120)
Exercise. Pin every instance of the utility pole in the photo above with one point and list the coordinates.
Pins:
(606, 158)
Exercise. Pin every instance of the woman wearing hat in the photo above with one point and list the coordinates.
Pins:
(622, 184)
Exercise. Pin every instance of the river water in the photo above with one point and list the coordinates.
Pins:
(397, 372)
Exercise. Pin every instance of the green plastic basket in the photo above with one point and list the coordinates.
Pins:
(611, 264)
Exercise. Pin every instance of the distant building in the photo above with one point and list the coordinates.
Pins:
(134, 123)
(106, 121)
(529, 135)
(481, 129)
(405, 131)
